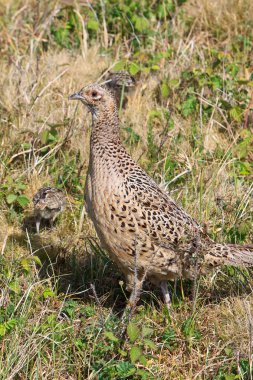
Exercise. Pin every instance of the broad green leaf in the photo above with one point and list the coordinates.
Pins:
(79, 344)
(149, 343)
(154, 113)
(48, 293)
(232, 377)
(133, 332)
(111, 336)
(228, 351)
(25, 263)
(93, 24)
(15, 286)
(20, 186)
(143, 360)
(10, 180)
(2, 329)
(244, 228)
(146, 331)
(122, 353)
(216, 81)
(26, 146)
(44, 137)
(189, 106)
(52, 137)
(141, 23)
(11, 198)
(134, 68)
(245, 168)
(125, 370)
(23, 200)
(165, 90)
(10, 324)
(236, 114)
(120, 65)
(135, 353)
(7, 326)
(146, 70)
(145, 375)
(234, 69)
(209, 70)
(37, 260)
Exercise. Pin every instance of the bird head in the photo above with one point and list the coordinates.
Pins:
(120, 79)
(96, 98)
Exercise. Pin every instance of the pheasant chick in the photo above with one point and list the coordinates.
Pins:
(48, 203)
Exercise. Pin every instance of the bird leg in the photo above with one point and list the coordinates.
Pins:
(166, 294)
(51, 222)
(131, 305)
(135, 295)
(38, 224)
(136, 281)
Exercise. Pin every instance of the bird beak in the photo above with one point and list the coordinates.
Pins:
(76, 96)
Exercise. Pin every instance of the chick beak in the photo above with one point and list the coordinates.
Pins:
(76, 96)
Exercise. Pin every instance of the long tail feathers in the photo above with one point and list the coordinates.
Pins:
(230, 254)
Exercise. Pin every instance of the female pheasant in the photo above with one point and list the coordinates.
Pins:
(142, 228)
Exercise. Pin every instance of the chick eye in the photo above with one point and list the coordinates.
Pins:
(94, 94)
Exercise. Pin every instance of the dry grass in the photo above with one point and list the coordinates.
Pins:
(222, 20)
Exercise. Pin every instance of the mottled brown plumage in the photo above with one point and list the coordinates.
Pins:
(138, 224)
(120, 84)
(48, 203)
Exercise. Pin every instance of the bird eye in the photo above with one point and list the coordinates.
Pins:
(94, 93)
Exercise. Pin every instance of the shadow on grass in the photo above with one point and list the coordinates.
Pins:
(73, 264)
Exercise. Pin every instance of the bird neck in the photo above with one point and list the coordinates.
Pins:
(105, 127)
